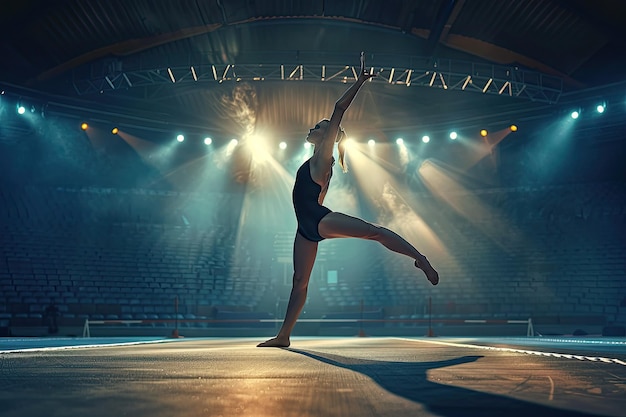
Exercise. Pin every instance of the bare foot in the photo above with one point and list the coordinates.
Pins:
(431, 274)
(275, 342)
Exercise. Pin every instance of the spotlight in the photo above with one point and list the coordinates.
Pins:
(483, 133)
(513, 128)
(600, 108)
(453, 135)
(208, 141)
(21, 109)
(84, 126)
(400, 141)
(575, 114)
(282, 145)
(233, 142)
(180, 138)
(371, 142)
(425, 138)
(115, 130)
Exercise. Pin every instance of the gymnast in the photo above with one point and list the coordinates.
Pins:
(316, 222)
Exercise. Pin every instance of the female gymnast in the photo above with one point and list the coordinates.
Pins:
(316, 222)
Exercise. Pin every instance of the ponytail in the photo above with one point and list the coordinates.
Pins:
(341, 147)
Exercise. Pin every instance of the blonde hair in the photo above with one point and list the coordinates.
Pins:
(341, 147)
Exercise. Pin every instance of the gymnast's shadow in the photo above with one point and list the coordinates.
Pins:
(409, 380)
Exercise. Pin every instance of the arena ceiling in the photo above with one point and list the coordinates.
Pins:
(290, 59)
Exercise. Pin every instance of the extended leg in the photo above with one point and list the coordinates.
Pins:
(304, 252)
(337, 225)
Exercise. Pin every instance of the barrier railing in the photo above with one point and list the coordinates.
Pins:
(530, 332)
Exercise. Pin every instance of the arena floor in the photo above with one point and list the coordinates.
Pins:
(314, 377)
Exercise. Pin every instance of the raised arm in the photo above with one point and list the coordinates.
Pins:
(340, 107)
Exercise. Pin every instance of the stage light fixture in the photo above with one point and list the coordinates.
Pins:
(171, 74)
(425, 138)
(486, 87)
(484, 133)
(84, 126)
(21, 109)
(513, 128)
(371, 142)
(233, 142)
(180, 138)
(600, 108)
(575, 114)
(282, 145)
(400, 141)
(208, 141)
(115, 131)
(453, 135)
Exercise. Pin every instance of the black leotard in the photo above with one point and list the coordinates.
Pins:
(309, 211)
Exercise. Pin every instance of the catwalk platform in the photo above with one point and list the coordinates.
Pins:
(368, 376)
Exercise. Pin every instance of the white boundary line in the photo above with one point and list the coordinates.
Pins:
(524, 351)
(91, 345)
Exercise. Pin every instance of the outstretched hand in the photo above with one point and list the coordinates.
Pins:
(364, 74)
